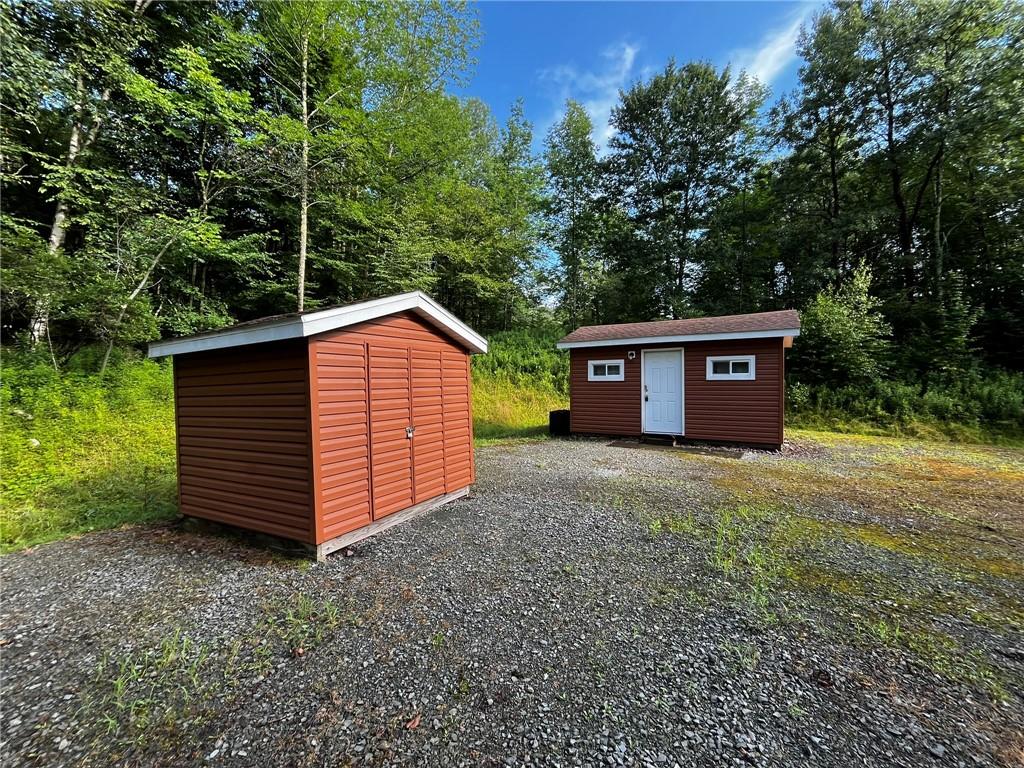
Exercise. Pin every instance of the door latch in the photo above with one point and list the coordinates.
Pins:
(409, 431)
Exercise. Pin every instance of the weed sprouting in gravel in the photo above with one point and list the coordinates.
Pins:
(303, 622)
(677, 524)
(885, 631)
(663, 594)
(744, 656)
(145, 696)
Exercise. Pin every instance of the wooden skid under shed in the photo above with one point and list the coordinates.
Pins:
(397, 518)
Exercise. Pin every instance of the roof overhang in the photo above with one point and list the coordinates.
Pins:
(300, 326)
(783, 332)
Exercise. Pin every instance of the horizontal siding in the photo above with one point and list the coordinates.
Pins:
(341, 446)
(735, 411)
(459, 468)
(604, 407)
(390, 415)
(243, 438)
(428, 417)
(732, 411)
(417, 376)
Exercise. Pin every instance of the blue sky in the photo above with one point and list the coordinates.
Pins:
(546, 52)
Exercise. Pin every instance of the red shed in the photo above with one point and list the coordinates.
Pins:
(717, 379)
(325, 427)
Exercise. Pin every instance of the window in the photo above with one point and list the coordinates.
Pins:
(605, 370)
(739, 368)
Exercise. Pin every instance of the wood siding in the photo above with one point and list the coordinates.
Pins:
(366, 467)
(243, 438)
(730, 411)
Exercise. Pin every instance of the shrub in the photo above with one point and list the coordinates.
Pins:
(843, 336)
(980, 404)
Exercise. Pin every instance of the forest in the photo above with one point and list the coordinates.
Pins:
(174, 167)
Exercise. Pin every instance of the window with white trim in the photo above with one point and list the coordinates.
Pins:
(731, 368)
(605, 370)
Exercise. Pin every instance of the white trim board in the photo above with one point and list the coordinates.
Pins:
(679, 339)
(313, 323)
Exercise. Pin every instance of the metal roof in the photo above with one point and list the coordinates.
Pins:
(302, 324)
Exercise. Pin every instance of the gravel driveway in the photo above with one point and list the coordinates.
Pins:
(589, 604)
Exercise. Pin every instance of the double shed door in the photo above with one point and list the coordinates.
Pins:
(420, 432)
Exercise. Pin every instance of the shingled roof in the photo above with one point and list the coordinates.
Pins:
(785, 322)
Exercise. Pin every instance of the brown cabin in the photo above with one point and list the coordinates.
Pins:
(325, 427)
(708, 379)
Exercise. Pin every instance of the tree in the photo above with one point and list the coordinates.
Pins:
(682, 143)
(843, 336)
(573, 184)
(91, 44)
(314, 83)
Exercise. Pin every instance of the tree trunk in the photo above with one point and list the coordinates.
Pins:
(39, 326)
(939, 263)
(304, 183)
(833, 169)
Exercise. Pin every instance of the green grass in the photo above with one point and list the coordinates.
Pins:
(503, 410)
(82, 454)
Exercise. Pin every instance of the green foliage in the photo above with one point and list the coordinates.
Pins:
(527, 359)
(517, 383)
(570, 157)
(982, 404)
(682, 144)
(83, 451)
(843, 336)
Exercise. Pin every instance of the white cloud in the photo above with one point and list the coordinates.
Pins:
(776, 50)
(597, 90)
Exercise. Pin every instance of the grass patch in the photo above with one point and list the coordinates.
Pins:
(82, 453)
(147, 697)
(302, 623)
(503, 410)
(676, 524)
(790, 542)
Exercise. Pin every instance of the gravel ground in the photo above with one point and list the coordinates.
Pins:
(577, 609)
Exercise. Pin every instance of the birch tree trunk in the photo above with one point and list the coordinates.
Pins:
(304, 181)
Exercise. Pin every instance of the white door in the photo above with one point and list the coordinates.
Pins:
(663, 392)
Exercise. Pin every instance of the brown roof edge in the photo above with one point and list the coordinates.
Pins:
(737, 326)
